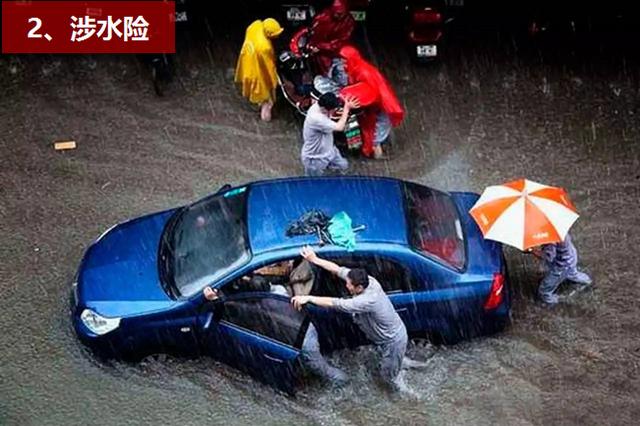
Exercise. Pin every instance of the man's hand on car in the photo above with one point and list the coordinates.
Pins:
(299, 301)
(309, 254)
(210, 294)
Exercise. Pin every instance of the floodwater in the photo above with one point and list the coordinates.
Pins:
(489, 112)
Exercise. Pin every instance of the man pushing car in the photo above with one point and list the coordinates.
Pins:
(372, 311)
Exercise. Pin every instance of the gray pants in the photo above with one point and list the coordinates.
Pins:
(554, 277)
(318, 166)
(391, 362)
(315, 362)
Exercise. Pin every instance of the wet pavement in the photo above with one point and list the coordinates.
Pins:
(489, 112)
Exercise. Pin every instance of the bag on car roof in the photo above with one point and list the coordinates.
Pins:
(312, 222)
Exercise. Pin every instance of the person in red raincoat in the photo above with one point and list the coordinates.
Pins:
(330, 31)
(385, 108)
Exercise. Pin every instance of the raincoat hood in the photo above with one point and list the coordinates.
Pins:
(359, 70)
(331, 29)
(339, 9)
(272, 28)
(351, 54)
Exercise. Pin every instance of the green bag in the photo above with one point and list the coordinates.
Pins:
(341, 232)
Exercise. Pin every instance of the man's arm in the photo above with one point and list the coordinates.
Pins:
(342, 121)
(354, 305)
(348, 105)
(310, 255)
(324, 302)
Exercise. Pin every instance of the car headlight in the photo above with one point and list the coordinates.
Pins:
(98, 324)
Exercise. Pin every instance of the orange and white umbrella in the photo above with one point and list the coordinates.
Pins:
(524, 214)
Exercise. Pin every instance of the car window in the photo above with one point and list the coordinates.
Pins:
(271, 317)
(206, 241)
(274, 277)
(434, 225)
(392, 276)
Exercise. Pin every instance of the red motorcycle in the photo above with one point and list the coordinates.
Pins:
(296, 80)
(421, 22)
(424, 29)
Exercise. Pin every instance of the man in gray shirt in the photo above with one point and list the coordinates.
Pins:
(318, 150)
(372, 311)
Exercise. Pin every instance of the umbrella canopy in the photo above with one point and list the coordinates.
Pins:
(524, 214)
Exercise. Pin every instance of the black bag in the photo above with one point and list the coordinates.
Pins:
(312, 222)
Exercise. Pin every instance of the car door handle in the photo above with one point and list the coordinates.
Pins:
(278, 360)
(207, 320)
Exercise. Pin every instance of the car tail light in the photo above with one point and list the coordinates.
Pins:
(425, 36)
(426, 16)
(496, 295)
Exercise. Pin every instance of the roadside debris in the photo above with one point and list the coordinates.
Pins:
(64, 145)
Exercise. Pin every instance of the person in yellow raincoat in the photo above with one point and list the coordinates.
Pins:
(256, 68)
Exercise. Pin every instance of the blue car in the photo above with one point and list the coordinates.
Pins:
(139, 287)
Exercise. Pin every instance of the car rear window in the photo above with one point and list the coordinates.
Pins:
(434, 225)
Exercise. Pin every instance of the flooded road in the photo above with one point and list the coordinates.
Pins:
(488, 113)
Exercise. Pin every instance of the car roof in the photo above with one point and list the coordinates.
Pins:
(373, 202)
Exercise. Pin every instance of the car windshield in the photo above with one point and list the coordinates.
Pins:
(203, 242)
(434, 225)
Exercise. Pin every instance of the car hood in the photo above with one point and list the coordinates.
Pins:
(483, 256)
(118, 275)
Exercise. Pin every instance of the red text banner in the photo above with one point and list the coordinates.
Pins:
(88, 26)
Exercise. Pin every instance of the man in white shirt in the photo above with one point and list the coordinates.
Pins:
(318, 150)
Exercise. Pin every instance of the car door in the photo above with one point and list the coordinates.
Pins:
(399, 283)
(259, 333)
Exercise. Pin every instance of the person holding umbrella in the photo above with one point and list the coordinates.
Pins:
(561, 261)
(533, 218)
